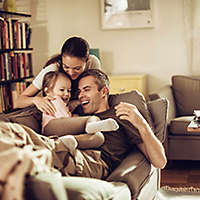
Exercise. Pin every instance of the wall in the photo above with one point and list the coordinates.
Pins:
(160, 51)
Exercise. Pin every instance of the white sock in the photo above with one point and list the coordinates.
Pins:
(102, 125)
(70, 142)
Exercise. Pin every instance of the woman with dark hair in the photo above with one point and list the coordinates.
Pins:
(73, 60)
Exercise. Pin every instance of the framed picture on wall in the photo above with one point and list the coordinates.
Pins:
(123, 14)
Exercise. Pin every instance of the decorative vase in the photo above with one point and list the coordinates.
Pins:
(9, 5)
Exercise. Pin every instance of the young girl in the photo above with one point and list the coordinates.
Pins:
(57, 84)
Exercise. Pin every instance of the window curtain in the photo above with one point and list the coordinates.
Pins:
(191, 18)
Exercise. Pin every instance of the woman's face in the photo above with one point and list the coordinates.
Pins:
(73, 66)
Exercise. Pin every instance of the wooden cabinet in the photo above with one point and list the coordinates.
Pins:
(125, 83)
(15, 57)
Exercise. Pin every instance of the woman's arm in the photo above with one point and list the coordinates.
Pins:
(28, 98)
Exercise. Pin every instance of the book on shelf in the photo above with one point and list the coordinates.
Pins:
(15, 65)
(24, 64)
(5, 38)
(194, 125)
(15, 34)
(14, 92)
(15, 57)
(6, 67)
(197, 115)
(1, 97)
(29, 64)
(8, 95)
(1, 107)
(10, 33)
(1, 67)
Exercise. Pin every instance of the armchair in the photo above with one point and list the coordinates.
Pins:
(135, 178)
(183, 96)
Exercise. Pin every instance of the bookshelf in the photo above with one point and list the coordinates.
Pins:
(15, 57)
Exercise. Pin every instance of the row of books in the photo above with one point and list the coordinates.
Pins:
(14, 34)
(9, 93)
(15, 65)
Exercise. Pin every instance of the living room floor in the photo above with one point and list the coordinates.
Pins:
(167, 195)
(181, 173)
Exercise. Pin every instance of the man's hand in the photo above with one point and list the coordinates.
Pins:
(130, 112)
(44, 104)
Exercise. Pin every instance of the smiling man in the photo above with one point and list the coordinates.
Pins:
(94, 99)
(93, 95)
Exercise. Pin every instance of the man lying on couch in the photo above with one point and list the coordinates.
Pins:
(134, 129)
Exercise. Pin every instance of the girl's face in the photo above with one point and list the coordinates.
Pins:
(62, 88)
(73, 66)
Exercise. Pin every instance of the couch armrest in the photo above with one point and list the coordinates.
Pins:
(166, 92)
(134, 171)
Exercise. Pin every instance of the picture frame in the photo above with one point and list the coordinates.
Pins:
(125, 14)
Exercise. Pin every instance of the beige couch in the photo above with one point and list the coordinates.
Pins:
(184, 97)
(135, 178)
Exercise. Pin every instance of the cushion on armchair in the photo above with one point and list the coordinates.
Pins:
(133, 97)
(186, 91)
(155, 112)
(158, 109)
(165, 92)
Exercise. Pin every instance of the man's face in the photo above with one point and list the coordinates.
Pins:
(92, 100)
(73, 66)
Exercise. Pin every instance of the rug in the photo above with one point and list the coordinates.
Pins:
(181, 189)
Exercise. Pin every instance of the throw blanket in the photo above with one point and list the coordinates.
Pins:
(24, 151)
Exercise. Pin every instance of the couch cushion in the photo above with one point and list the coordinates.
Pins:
(166, 92)
(133, 97)
(187, 94)
(158, 109)
(4, 118)
(29, 116)
(178, 126)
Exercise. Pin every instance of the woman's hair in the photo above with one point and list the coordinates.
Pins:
(75, 47)
(50, 79)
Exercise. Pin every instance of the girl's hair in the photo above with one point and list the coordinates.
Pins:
(75, 47)
(50, 79)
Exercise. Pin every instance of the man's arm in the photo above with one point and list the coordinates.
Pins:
(151, 146)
